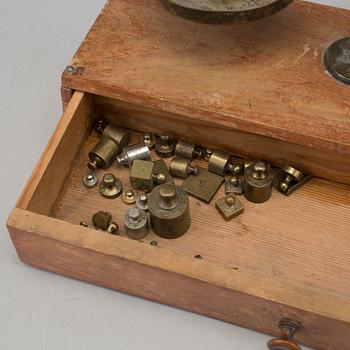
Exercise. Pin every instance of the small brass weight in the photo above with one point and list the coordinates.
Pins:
(288, 329)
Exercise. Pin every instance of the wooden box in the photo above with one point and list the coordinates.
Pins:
(256, 89)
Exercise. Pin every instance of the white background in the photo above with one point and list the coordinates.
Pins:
(39, 310)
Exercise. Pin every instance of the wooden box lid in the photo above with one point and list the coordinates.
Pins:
(263, 78)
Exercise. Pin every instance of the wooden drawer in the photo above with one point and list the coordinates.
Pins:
(288, 257)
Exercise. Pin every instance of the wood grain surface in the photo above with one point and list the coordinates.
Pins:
(288, 257)
(264, 77)
(296, 238)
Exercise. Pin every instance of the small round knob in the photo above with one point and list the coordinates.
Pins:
(168, 197)
(288, 329)
(259, 171)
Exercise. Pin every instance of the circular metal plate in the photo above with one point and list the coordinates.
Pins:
(337, 60)
(225, 11)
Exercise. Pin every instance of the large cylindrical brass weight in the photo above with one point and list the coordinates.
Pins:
(169, 211)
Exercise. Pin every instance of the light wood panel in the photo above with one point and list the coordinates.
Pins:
(54, 165)
(157, 274)
(295, 238)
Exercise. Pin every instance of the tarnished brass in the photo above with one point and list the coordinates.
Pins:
(149, 140)
(136, 223)
(103, 154)
(180, 167)
(288, 329)
(112, 142)
(142, 176)
(336, 60)
(188, 150)
(169, 211)
(221, 163)
(110, 187)
(225, 11)
(165, 146)
(229, 207)
(233, 184)
(161, 168)
(289, 179)
(257, 185)
(207, 154)
(132, 153)
(119, 136)
(247, 163)
(112, 228)
(129, 196)
(204, 185)
(102, 219)
(142, 202)
(90, 180)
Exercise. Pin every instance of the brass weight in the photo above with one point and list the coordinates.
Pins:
(220, 163)
(181, 168)
(169, 211)
(258, 182)
(110, 145)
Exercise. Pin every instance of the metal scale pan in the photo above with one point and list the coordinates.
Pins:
(225, 11)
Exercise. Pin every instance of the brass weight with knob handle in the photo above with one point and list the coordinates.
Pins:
(288, 329)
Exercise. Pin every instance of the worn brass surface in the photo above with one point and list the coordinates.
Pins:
(90, 180)
(110, 186)
(257, 185)
(136, 223)
(225, 11)
(165, 146)
(149, 140)
(188, 150)
(169, 211)
(161, 168)
(180, 167)
(132, 153)
(102, 219)
(103, 154)
(118, 135)
(141, 175)
(233, 184)
(219, 162)
(337, 61)
(204, 185)
(129, 196)
(112, 228)
(229, 207)
(287, 184)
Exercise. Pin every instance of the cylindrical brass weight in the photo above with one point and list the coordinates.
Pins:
(118, 135)
(188, 150)
(181, 168)
(218, 162)
(103, 154)
(169, 211)
(258, 182)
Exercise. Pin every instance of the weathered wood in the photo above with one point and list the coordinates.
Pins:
(66, 95)
(264, 78)
(280, 153)
(206, 288)
(54, 165)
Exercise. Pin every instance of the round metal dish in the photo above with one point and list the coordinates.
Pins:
(225, 11)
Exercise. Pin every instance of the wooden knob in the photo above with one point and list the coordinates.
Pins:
(281, 344)
(288, 329)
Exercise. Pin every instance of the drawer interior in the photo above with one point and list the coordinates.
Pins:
(300, 242)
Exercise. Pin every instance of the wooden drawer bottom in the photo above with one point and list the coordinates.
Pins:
(288, 257)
